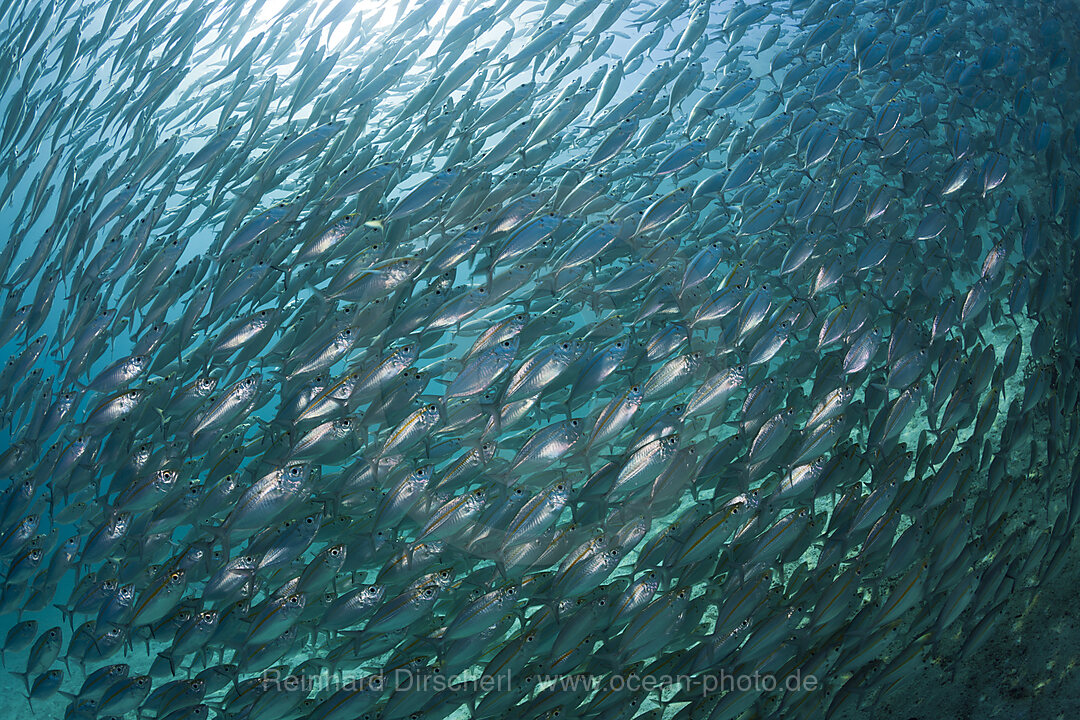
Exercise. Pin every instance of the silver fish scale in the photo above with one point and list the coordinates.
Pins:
(373, 341)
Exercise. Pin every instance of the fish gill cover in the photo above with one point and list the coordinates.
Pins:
(503, 358)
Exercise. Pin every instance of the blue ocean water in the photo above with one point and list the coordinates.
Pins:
(904, 191)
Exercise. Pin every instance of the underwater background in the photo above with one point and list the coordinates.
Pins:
(608, 359)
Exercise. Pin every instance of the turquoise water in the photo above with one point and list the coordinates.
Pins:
(861, 217)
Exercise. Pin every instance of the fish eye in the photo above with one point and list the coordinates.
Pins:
(432, 408)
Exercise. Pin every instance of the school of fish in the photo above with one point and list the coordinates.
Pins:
(508, 339)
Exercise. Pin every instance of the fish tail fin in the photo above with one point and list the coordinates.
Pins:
(492, 410)
(500, 565)
(221, 535)
(167, 655)
(66, 613)
(607, 658)
(25, 676)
